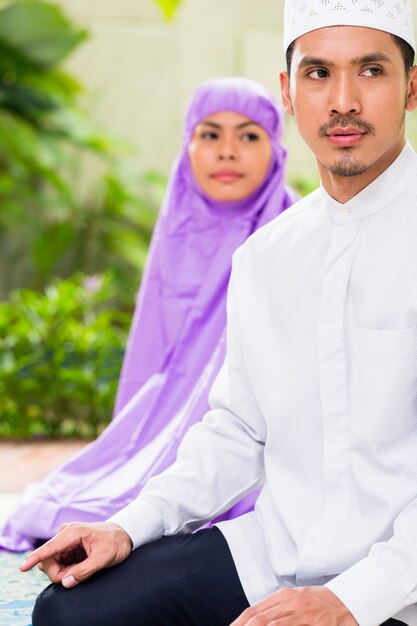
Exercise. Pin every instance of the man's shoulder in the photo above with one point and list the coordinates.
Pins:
(280, 226)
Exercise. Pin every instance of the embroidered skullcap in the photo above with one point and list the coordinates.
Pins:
(392, 16)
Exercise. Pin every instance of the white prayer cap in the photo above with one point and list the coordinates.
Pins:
(392, 16)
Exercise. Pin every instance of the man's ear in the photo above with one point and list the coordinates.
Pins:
(411, 104)
(285, 92)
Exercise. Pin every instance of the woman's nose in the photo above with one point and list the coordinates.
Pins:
(228, 149)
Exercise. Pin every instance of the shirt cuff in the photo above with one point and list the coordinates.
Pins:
(368, 593)
(141, 521)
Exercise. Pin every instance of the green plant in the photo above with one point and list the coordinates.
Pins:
(60, 356)
(49, 223)
(304, 185)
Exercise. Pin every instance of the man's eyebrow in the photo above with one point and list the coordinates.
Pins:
(309, 61)
(374, 57)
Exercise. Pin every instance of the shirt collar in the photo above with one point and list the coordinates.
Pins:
(378, 194)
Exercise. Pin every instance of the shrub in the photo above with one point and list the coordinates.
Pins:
(60, 356)
(54, 220)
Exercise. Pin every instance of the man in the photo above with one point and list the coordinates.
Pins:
(317, 398)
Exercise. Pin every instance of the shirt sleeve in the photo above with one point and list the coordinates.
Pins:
(380, 585)
(219, 460)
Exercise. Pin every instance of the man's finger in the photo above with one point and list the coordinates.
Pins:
(50, 549)
(69, 581)
(75, 574)
(52, 569)
(255, 611)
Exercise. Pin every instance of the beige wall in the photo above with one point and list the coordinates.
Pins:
(142, 69)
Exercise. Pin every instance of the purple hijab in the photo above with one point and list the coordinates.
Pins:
(177, 340)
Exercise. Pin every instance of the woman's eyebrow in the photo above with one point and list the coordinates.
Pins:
(239, 126)
(248, 123)
(212, 124)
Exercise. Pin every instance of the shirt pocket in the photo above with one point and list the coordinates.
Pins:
(383, 384)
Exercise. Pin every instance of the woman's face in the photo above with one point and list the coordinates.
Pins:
(229, 155)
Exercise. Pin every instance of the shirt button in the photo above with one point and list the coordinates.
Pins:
(345, 212)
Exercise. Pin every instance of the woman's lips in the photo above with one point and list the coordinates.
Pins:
(345, 136)
(226, 176)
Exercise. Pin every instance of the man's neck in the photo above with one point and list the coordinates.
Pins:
(344, 188)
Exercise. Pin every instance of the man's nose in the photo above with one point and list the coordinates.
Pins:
(344, 98)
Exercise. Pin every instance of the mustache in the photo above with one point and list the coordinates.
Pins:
(343, 121)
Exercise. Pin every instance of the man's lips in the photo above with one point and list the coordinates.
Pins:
(347, 136)
(226, 176)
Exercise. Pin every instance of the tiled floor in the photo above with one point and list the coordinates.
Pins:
(19, 464)
(18, 591)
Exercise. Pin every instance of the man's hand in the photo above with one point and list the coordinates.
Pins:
(80, 550)
(315, 606)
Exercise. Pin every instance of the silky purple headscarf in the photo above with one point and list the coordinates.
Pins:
(195, 237)
(177, 340)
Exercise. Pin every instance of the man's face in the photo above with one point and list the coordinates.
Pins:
(348, 93)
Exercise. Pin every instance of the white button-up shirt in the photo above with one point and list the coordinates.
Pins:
(317, 401)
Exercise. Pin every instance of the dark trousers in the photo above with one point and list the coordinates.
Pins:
(189, 580)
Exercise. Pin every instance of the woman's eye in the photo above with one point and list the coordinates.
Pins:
(209, 136)
(371, 71)
(317, 74)
(250, 137)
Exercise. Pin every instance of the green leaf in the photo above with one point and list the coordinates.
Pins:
(168, 7)
(39, 31)
(50, 245)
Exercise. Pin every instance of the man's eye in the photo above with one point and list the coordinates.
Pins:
(371, 71)
(320, 73)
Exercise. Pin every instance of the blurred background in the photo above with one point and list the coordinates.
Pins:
(92, 97)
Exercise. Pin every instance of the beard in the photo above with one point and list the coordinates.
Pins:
(347, 165)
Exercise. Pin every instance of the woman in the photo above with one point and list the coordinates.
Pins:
(227, 181)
